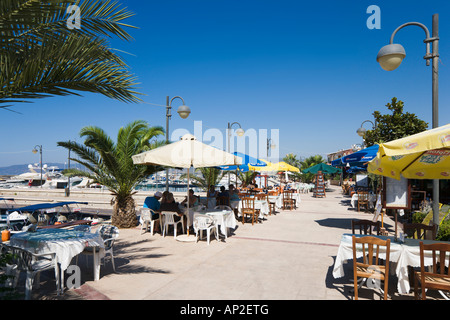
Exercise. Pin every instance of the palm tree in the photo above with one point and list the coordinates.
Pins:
(208, 176)
(291, 159)
(41, 57)
(111, 165)
(247, 177)
(309, 162)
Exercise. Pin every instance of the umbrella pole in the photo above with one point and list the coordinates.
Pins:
(187, 227)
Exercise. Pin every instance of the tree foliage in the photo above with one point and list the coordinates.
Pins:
(205, 177)
(110, 164)
(394, 126)
(41, 57)
(308, 163)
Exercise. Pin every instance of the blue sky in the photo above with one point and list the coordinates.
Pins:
(306, 68)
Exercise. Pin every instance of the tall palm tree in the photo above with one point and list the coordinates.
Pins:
(41, 57)
(207, 177)
(110, 164)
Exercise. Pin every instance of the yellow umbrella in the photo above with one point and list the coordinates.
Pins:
(279, 166)
(425, 155)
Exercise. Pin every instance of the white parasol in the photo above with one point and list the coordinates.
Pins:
(187, 153)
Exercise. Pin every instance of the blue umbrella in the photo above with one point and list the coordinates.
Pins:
(249, 160)
(358, 158)
(241, 168)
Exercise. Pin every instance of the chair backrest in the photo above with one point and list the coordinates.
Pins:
(223, 200)
(287, 194)
(83, 227)
(108, 231)
(20, 257)
(440, 255)
(223, 207)
(419, 231)
(147, 214)
(202, 221)
(261, 196)
(169, 217)
(363, 196)
(371, 256)
(365, 226)
(248, 204)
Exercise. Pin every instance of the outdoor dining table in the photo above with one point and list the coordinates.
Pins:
(372, 199)
(262, 205)
(279, 200)
(401, 256)
(224, 218)
(66, 244)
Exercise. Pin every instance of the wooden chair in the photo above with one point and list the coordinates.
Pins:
(248, 209)
(419, 231)
(223, 200)
(363, 200)
(288, 201)
(438, 278)
(366, 227)
(271, 205)
(372, 268)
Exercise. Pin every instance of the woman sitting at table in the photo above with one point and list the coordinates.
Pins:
(234, 193)
(193, 200)
(212, 193)
(170, 205)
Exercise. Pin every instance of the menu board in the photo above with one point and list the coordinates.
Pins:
(319, 191)
(396, 193)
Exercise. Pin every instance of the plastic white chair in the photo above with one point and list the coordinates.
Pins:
(147, 219)
(204, 222)
(33, 264)
(169, 220)
(223, 207)
(109, 234)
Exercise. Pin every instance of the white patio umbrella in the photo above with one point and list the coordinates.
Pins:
(187, 153)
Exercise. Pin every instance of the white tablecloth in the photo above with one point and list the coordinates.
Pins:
(372, 199)
(279, 200)
(402, 255)
(224, 218)
(262, 205)
(65, 243)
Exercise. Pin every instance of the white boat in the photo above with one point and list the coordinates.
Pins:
(50, 178)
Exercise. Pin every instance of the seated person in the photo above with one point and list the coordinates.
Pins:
(233, 192)
(153, 203)
(223, 198)
(193, 200)
(171, 205)
(211, 192)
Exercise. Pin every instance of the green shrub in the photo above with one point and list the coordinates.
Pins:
(444, 231)
(418, 216)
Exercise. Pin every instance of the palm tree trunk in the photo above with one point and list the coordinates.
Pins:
(124, 212)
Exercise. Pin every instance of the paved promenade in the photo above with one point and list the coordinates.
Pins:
(289, 256)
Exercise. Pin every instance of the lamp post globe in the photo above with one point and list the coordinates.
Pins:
(361, 132)
(184, 111)
(240, 132)
(391, 56)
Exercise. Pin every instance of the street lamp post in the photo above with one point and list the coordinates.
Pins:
(240, 132)
(184, 112)
(40, 152)
(362, 132)
(270, 145)
(392, 55)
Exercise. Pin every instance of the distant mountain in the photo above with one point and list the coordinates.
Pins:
(21, 168)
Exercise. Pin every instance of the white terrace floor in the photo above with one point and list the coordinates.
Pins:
(289, 256)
